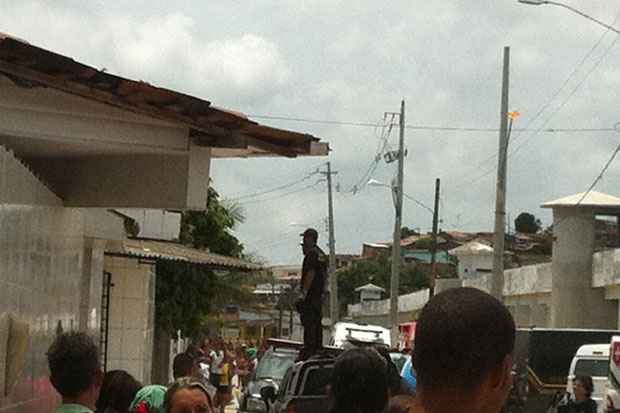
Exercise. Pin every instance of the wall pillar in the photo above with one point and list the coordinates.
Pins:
(574, 303)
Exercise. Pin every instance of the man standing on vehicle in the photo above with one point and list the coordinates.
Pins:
(310, 304)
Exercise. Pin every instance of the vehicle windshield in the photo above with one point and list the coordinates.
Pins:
(274, 365)
(363, 335)
(592, 367)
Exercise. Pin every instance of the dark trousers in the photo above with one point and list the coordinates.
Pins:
(310, 315)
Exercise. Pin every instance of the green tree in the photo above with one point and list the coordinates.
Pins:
(407, 232)
(527, 223)
(212, 227)
(187, 293)
(376, 271)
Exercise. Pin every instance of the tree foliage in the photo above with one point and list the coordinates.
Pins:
(212, 227)
(187, 293)
(376, 271)
(527, 223)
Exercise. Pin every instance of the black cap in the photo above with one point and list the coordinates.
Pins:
(311, 233)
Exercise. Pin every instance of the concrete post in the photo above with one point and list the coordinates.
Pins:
(574, 303)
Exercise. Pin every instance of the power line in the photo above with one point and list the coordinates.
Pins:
(381, 147)
(277, 188)
(275, 198)
(419, 203)
(429, 127)
(547, 105)
(600, 175)
(571, 94)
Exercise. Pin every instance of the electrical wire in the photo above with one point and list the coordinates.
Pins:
(235, 197)
(600, 175)
(381, 148)
(570, 95)
(419, 203)
(275, 198)
(429, 127)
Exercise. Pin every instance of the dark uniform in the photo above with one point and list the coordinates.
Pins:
(310, 309)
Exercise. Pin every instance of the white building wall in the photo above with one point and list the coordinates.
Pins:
(156, 224)
(51, 273)
(19, 185)
(469, 265)
(41, 276)
(132, 315)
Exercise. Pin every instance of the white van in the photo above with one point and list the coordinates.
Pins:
(613, 385)
(347, 332)
(591, 360)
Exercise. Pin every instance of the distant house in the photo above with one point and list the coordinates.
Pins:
(474, 259)
(375, 250)
(286, 273)
(370, 292)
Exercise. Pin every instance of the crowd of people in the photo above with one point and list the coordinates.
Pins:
(463, 360)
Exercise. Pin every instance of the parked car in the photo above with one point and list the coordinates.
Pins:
(270, 371)
(303, 389)
(355, 333)
(613, 383)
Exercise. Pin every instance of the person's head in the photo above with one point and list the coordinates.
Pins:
(463, 351)
(583, 387)
(188, 396)
(183, 365)
(117, 391)
(401, 404)
(149, 399)
(75, 369)
(309, 240)
(359, 382)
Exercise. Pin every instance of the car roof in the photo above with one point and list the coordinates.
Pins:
(593, 350)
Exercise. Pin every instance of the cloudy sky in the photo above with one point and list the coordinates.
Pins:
(350, 61)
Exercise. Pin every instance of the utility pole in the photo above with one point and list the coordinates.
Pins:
(333, 281)
(497, 285)
(434, 239)
(397, 189)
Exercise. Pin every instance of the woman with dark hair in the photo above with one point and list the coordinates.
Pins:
(117, 391)
(582, 402)
(188, 395)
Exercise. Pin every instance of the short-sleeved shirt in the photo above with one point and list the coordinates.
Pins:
(72, 408)
(586, 406)
(315, 260)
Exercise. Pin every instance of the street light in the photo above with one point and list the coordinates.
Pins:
(374, 182)
(555, 3)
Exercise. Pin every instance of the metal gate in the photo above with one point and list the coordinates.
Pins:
(105, 318)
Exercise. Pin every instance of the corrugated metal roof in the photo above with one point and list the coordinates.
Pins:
(160, 250)
(34, 66)
(592, 199)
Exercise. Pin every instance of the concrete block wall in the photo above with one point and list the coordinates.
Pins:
(41, 255)
(19, 185)
(50, 275)
(132, 316)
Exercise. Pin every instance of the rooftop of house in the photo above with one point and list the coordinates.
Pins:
(585, 200)
(230, 133)
(472, 248)
(370, 287)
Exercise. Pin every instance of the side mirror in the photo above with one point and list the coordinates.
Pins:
(268, 394)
